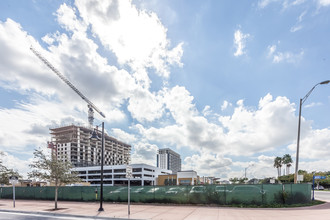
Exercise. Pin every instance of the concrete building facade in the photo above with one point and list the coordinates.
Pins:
(72, 143)
(169, 160)
(143, 175)
(188, 177)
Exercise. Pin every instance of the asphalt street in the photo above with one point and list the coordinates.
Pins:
(322, 195)
(32, 216)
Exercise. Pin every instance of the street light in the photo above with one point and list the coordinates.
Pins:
(298, 139)
(247, 168)
(95, 136)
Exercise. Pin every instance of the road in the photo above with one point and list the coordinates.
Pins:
(31, 216)
(322, 195)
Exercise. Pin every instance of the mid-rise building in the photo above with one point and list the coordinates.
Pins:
(142, 175)
(169, 160)
(73, 143)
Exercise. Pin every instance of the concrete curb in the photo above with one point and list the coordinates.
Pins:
(64, 215)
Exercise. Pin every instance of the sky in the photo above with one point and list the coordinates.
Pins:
(219, 82)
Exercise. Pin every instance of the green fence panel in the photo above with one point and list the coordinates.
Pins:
(70, 193)
(7, 193)
(171, 194)
(272, 194)
(44, 193)
(89, 193)
(199, 194)
(245, 194)
(140, 193)
(115, 193)
(297, 193)
(24, 193)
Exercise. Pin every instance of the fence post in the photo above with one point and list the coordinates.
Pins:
(263, 194)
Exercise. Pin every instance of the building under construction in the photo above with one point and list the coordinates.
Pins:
(72, 143)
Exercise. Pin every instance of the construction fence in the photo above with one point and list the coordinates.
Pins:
(257, 194)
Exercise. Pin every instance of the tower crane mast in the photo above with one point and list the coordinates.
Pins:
(90, 105)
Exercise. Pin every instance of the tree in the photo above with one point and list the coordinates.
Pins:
(242, 180)
(50, 169)
(5, 172)
(287, 160)
(234, 180)
(278, 165)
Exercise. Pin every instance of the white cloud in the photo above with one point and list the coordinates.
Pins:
(313, 104)
(145, 106)
(239, 42)
(314, 144)
(296, 28)
(12, 162)
(123, 136)
(264, 3)
(288, 57)
(324, 2)
(285, 3)
(136, 37)
(139, 40)
(207, 164)
(300, 18)
(145, 153)
(271, 125)
(225, 105)
(206, 111)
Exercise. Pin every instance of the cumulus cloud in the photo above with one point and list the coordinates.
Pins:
(12, 162)
(239, 42)
(207, 164)
(123, 136)
(271, 125)
(313, 143)
(136, 37)
(145, 105)
(145, 153)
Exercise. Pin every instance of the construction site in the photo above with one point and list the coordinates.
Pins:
(73, 143)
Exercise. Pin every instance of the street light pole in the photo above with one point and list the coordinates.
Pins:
(102, 162)
(299, 123)
(96, 137)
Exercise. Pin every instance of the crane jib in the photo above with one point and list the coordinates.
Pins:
(45, 61)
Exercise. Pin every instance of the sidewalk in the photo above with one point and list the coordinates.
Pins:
(165, 212)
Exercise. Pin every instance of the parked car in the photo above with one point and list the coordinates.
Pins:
(319, 187)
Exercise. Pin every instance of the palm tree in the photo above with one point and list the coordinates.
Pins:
(278, 165)
(287, 160)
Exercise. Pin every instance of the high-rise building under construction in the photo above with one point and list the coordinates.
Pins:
(72, 143)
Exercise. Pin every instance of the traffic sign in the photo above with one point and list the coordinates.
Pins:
(320, 177)
(13, 180)
(129, 171)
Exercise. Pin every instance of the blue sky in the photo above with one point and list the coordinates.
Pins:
(217, 81)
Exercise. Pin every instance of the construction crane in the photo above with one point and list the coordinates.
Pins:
(90, 105)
